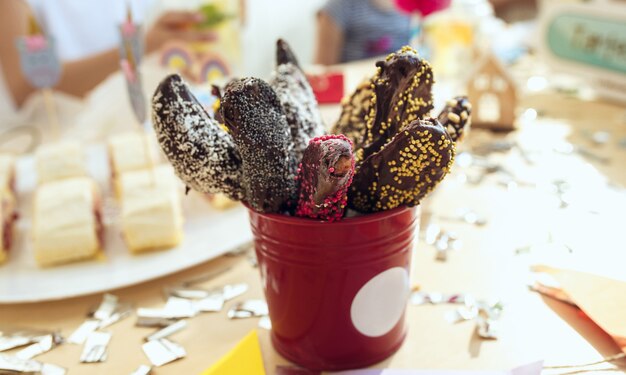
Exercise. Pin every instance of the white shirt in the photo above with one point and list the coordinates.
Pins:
(80, 28)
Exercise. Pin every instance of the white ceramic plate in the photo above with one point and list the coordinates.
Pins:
(208, 234)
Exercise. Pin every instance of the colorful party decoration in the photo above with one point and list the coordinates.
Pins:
(244, 358)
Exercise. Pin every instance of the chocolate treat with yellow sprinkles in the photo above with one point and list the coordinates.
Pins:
(401, 94)
(324, 177)
(354, 108)
(456, 117)
(203, 154)
(406, 169)
(254, 117)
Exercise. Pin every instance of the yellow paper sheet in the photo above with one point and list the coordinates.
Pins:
(244, 358)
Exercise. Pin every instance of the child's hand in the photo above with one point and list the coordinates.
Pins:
(177, 25)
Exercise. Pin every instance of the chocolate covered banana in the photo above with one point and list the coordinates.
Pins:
(406, 169)
(254, 117)
(401, 94)
(324, 177)
(456, 117)
(284, 54)
(204, 156)
(298, 101)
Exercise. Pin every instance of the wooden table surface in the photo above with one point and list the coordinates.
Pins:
(532, 327)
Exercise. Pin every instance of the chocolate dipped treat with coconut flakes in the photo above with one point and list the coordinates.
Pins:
(324, 176)
(284, 54)
(254, 116)
(456, 117)
(401, 94)
(203, 154)
(404, 170)
(298, 102)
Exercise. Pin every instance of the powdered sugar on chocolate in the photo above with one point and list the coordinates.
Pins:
(204, 156)
(299, 105)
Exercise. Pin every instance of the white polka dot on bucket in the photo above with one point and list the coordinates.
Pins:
(379, 304)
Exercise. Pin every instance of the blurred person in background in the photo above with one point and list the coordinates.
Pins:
(350, 30)
(87, 38)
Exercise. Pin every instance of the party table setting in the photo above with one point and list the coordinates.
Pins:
(397, 221)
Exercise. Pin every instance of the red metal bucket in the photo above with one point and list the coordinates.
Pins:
(336, 292)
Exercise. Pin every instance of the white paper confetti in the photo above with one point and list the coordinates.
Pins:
(163, 351)
(168, 331)
(95, 349)
(80, 335)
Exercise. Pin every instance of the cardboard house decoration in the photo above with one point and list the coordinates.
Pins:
(492, 93)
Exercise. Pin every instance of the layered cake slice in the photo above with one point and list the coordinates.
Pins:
(151, 209)
(131, 151)
(8, 207)
(67, 221)
(59, 160)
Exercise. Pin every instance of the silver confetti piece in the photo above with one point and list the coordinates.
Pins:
(487, 328)
(471, 217)
(168, 331)
(163, 351)
(12, 337)
(122, 311)
(233, 291)
(175, 308)
(435, 298)
(213, 303)
(14, 365)
(265, 323)
(11, 363)
(50, 369)
(107, 307)
(248, 309)
(7, 343)
(80, 335)
(142, 370)
(44, 345)
(188, 293)
(95, 349)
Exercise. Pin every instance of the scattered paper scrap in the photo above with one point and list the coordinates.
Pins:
(168, 331)
(265, 322)
(233, 291)
(248, 309)
(95, 349)
(44, 345)
(14, 365)
(142, 370)
(163, 351)
(11, 337)
(80, 335)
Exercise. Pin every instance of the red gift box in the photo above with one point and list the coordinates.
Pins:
(327, 87)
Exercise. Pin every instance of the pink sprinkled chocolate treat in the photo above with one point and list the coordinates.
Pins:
(324, 177)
